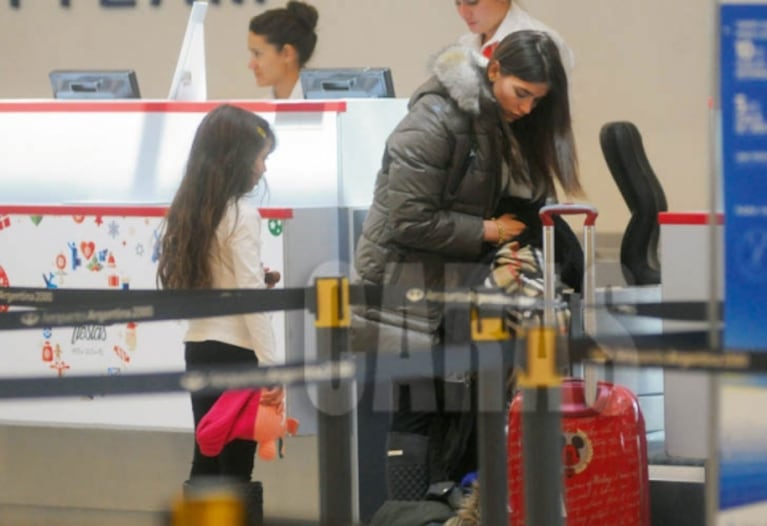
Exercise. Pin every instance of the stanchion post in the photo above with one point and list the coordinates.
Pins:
(491, 424)
(540, 381)
(334, 418)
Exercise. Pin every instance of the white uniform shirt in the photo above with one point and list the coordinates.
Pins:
(236, 264)
(517, 19)
(297, 93)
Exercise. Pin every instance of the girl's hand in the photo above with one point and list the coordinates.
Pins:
(271, 277)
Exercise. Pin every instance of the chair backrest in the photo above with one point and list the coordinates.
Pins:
(624, 153)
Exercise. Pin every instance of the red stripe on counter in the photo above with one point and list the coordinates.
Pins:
(120, 211)
(68, 106)
(688, 218)
(276, 213)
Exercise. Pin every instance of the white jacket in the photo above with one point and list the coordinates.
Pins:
(517, 19)
(236, 264)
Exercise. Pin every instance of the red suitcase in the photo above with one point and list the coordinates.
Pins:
(604, 457)
(604, 445)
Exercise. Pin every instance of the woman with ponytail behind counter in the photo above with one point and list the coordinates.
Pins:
(281, 41)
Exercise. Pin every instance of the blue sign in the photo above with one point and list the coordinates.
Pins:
(744, 157)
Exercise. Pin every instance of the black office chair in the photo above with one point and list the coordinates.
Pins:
(625, 155)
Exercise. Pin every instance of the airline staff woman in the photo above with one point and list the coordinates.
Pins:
(281, 41)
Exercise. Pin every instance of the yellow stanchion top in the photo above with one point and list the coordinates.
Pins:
(209, 508)
(332, 303)
(485, 329)
(540, 369)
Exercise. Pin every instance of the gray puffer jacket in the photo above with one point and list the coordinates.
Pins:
(440, 178)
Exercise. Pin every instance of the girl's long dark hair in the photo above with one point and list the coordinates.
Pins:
(218, 171)
(545, 136)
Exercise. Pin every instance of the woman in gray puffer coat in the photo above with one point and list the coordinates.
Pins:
(476, 133)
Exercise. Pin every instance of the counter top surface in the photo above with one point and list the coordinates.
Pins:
(164, 106)
(688, 218)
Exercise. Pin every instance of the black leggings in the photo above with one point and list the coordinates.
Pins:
(236, 459)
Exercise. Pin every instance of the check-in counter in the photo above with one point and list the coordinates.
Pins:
(686, 275)
(77, 179)
(102, 152)
(109, 248)
(112, 153)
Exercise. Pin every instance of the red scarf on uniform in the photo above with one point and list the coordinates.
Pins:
(487, 51)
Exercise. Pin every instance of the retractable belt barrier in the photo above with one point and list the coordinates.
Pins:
(489, 352)
(69, 307)
(89, 305)
(260, 300)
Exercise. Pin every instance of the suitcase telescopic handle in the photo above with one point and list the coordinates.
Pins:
(548, 212)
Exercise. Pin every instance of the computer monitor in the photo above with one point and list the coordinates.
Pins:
(346, 83)
(94, 84)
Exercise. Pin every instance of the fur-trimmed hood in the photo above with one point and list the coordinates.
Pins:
(461, 71)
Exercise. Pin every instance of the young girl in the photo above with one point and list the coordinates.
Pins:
(212, 240)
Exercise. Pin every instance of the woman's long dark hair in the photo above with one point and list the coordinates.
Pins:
(218, 171)
(545, 136)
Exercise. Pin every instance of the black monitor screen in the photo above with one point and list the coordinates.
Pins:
(72, 84)
(347, 83)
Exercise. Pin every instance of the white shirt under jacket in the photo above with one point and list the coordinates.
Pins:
(236, 264)
(517, 19)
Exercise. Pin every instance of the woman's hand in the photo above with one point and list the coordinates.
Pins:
(502, 229)
(512, 226)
